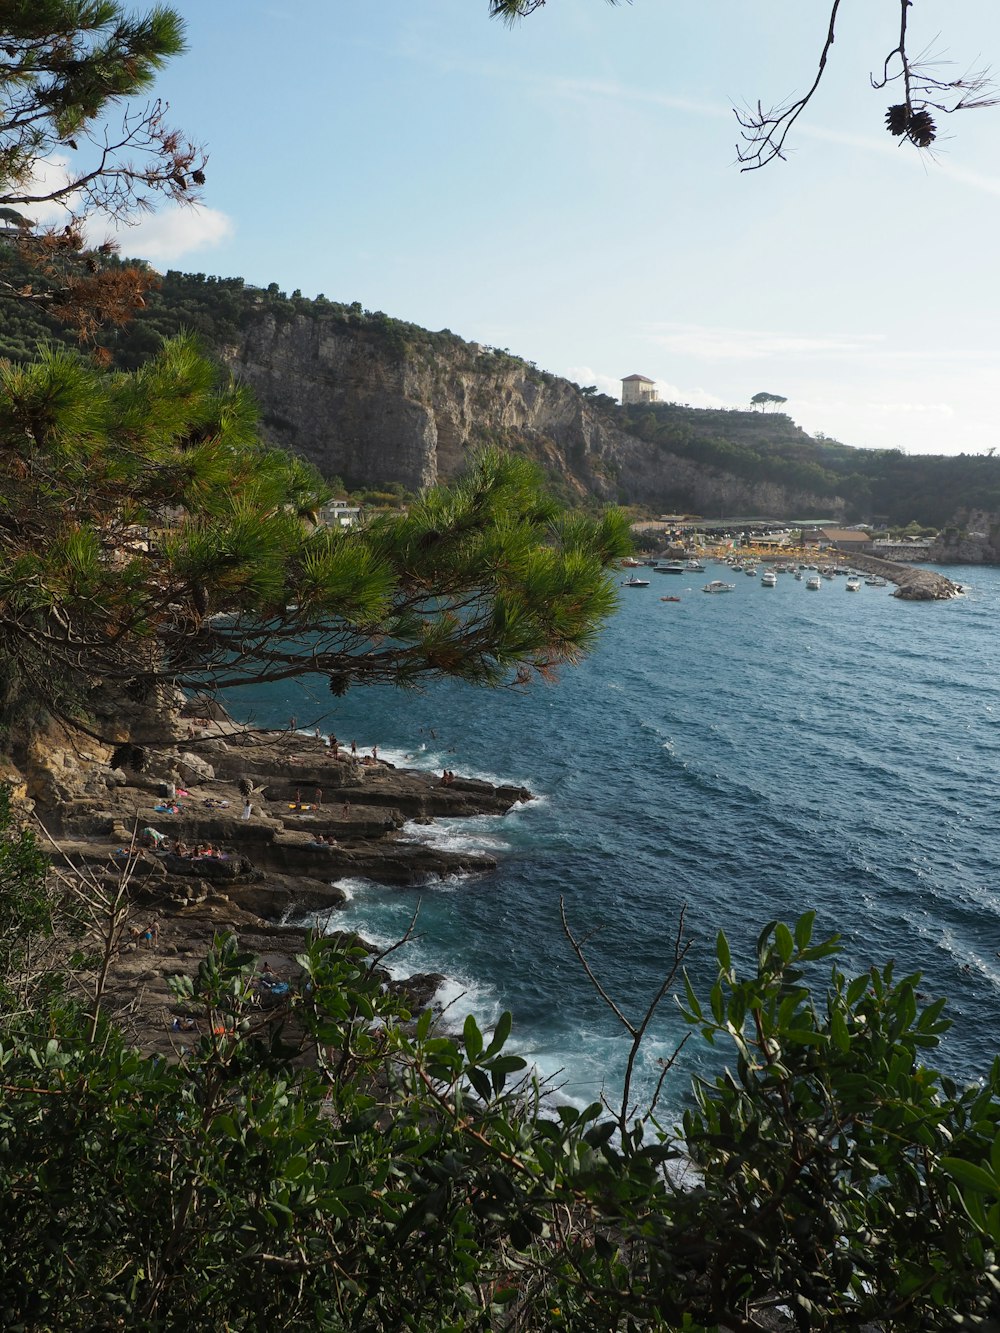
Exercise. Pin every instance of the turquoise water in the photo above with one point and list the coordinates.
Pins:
(744, 757)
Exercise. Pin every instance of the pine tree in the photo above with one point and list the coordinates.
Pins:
(68, 70)
(148, 540)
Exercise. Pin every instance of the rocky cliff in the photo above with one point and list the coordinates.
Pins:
(972, 538)
(369, 405)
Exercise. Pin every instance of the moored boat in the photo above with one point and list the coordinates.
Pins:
(768, 579)
(633, 582)
(814, 583)
(717, 585)
(670, 567)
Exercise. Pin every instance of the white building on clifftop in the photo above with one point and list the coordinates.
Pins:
(639, 389)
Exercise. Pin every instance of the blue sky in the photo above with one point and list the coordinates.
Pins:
(567, 189)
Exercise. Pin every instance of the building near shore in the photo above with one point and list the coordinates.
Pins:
(841, 539)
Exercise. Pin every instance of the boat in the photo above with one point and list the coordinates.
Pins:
(633, 582)
(876, 581)
(853, 583)
(768, 579)
(750, 571)
(717, 585)
(670, 599)
(670, 567)
(694, 567)
(814, 583)
(798, 575)
(630, 563)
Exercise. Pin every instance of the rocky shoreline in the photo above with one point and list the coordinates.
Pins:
(262, 871)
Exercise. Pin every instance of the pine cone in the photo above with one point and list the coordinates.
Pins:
(246, 788)
(921, 129)
(339, 685)
(896, 119)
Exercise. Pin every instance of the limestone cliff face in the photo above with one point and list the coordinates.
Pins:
(373, 409)
(972, 538)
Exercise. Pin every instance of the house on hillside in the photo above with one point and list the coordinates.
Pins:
(339, 514)
(639, 389)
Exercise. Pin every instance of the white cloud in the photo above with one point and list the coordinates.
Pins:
(669, 393)
(47, 175)
(722, 344)
(168, 233)
(173, 231)
(909, 409)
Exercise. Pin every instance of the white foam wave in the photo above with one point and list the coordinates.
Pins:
(463, 835)
(351, 886)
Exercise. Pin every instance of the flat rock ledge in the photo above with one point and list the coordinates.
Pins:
(268, 875)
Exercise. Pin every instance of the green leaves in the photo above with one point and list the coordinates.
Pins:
(862, 1175)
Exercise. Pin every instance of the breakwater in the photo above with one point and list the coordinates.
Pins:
(912, 583)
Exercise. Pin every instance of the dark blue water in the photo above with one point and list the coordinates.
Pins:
(744, 757)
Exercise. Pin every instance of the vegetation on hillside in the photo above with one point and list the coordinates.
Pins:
(886, 485)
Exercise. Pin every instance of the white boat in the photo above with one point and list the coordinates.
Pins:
(814, 583)
(670, 567)
(694, 567)
(853, 584)
(633, 582)
(798, 575)
(768, 579)
(751, 571)
(876, 581)
(717, 585)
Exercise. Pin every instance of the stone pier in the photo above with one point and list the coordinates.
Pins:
(912, 583)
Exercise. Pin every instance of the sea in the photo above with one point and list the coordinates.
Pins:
(733, 760)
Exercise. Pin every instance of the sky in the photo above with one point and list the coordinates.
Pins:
(568, 189)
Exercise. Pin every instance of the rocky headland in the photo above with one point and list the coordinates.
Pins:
(196, 862)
